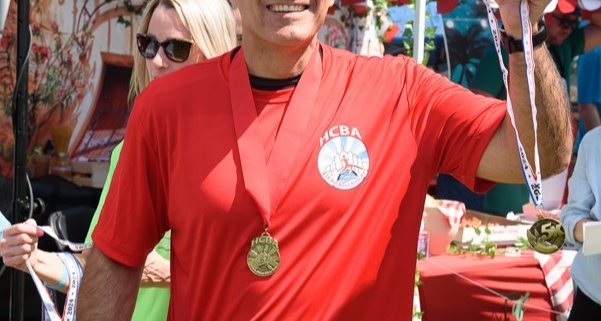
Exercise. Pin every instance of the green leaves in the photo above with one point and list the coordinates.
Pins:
(484, 248)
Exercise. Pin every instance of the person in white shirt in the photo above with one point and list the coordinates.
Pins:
(584, 205)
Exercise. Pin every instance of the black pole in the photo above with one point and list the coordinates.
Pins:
(20, 196)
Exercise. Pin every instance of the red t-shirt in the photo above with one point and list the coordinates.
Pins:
(347, 219)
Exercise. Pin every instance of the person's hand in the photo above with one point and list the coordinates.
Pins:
(19, 244)
(579, 229)
(510, 15)
(157, 272)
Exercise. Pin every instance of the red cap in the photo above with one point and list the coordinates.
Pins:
(567, 6)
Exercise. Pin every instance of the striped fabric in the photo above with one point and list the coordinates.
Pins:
(453, 211)
(556, 268)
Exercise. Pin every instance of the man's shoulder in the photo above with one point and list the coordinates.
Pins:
(591, 57)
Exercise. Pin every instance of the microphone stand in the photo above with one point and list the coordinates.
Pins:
(20, 203)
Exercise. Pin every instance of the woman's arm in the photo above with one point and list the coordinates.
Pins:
(19, 245)
(157, 272)
(581, 197)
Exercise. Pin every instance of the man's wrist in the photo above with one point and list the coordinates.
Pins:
(539, 36)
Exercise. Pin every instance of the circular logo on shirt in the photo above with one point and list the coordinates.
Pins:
(343, 162)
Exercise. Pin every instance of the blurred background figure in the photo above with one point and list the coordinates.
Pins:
(589, 93)
(584, 205)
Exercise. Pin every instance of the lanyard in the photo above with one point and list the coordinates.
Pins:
(531, 174)
(75, 273)
(546, 235)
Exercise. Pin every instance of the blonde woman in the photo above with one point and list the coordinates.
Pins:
(173, 34)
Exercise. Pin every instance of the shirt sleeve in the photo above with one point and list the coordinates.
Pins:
(133, 218)
(581, 197)
(449, 120)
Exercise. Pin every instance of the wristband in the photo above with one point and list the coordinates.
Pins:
(63, 282)
(513, 45)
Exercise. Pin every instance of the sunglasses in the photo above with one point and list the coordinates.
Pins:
(176, 50)
(567, 23)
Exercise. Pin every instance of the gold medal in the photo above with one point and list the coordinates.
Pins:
(546, 235)
(264, 255)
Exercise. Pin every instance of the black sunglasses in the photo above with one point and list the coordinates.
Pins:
(176, 50)
(567, 23)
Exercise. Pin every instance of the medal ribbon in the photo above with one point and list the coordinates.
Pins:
(531, 174)
(75, 274)
(267, 192)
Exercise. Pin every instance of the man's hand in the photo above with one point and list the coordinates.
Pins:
(510, 15)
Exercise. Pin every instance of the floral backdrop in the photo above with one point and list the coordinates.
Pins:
(58, 79)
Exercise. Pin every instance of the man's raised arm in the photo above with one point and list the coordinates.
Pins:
(500, 161)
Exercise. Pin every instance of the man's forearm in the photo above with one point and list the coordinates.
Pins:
(553, 112)
(97, 299)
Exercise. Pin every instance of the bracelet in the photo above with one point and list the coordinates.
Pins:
(61, 284)
(512, 45)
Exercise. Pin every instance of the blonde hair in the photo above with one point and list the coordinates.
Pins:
(210, 22)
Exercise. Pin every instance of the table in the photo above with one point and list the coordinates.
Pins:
(466, 287)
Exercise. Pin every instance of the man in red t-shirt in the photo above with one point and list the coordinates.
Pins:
(292, 175)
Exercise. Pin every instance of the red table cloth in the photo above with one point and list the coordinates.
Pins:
(466, 287)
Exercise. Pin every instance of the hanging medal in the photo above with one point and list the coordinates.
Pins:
(264, 255)
(546, 235)
(265, 179)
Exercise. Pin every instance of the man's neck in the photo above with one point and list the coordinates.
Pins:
(277, 62)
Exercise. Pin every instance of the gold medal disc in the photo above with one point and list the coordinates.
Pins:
(264, 255)
(546, 235)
